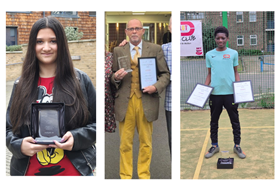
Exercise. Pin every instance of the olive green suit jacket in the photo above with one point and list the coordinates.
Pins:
(150, 102)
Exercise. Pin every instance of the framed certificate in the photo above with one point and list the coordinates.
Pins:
(199, 95)
(243, 92)
(147, 71)
(47, 122)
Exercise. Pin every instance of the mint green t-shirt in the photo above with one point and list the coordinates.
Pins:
(222, 65)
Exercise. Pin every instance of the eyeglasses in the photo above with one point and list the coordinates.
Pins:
(136, 29)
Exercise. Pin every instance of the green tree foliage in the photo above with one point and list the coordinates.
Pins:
(249, 52)
(14, 48)
(73, 34)
(208, 36)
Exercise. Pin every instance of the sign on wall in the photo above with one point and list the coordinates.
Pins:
(191, 38)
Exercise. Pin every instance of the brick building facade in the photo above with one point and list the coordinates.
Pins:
(83, 54)
(18, 24)
(247, 30)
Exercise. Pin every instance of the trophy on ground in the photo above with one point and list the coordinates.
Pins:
(225, 162)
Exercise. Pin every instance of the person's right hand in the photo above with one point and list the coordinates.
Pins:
(29, 148)
(119, 75)
(123, 42)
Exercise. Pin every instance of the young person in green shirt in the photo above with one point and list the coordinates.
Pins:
(222, 65)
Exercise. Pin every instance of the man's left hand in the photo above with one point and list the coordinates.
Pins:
(150, 89)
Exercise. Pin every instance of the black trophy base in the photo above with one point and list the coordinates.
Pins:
(225, 163)
(47, 140)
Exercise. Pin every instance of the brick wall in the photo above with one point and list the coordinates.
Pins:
(84, 48)
(87, 51)
(24, 21)
(246, 29)
(14, 57)
(13, 71)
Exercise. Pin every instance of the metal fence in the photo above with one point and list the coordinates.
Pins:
(252, 35)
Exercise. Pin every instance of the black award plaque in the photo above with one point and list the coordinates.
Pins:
(47, 122)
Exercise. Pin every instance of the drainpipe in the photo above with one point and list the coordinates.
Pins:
(225, 21)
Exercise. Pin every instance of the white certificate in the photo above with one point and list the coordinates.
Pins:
(243, 92)
(199, 95)
(147, 71)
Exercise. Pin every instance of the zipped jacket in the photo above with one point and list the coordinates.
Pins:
(83, 153)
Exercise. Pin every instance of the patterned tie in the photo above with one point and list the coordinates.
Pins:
(135, 58)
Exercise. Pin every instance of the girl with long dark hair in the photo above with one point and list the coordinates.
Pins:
(48, 75)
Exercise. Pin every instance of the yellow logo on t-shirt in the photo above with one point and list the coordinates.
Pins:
(53, 156)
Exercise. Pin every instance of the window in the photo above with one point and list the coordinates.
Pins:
(239, 17)
(92, 14)
(73, 14)
(11, 36)
(195, 15)
(271, 41)
(252, 16)
(270, 20)
(182, 16)
(253, 39)
(240, 40)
